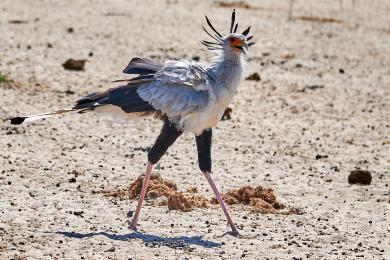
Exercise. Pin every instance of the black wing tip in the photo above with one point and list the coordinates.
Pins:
(17, 120)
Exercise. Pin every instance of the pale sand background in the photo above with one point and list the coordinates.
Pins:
(273, 138)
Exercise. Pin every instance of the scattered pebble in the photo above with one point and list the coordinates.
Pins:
(72, 64)
(288, 55)
(360, 177)
(319, 156)
(17, 21)
(227, 114)
(312, 87)
(69, 92)
(254, 76)
(111, 249)
(78, 213)
(195, 58)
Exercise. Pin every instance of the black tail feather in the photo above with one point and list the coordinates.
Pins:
(17, 120)
(125, 97)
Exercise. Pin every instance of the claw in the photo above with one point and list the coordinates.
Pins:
(232, 233)
(132, 227)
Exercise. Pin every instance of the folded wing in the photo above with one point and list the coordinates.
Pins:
(179, 88)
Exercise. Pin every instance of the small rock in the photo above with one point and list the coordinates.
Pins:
(288, 55)
(75, 173)
(70, 30)
(17, 21)
(341, 71)
(72, 64)
(255, 76)
(69, 92)
(78, 213)
(72, 180)
(112, 249)
(227, 114)
(318, 156)
(195, 58)
(312, 87)
(360, 177)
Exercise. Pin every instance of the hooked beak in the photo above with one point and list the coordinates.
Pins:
(244, 47)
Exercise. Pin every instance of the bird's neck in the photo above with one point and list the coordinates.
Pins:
(226, 70)
(228, 58)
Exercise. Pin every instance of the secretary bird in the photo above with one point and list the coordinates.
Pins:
(187, 96)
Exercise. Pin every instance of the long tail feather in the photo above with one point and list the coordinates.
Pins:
(21, 119)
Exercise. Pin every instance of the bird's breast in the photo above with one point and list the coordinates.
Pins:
(226, 79)
(203, 119)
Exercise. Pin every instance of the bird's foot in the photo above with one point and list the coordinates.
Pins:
(132, 225)
(234, 233)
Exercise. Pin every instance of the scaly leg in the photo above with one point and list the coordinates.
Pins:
(145, 184)
(220, 200)
(169, 134)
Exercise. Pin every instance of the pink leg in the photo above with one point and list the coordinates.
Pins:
(145, 184)
(220, 200)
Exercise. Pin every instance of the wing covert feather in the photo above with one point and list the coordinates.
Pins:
(178, 89)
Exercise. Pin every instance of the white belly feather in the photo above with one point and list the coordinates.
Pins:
(206, 118)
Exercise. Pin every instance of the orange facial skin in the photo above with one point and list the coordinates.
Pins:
(236, 42)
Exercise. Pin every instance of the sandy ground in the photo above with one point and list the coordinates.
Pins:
(278, 127)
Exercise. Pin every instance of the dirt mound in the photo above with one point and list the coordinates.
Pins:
(260, 199)
(164, 193)
(157, 187)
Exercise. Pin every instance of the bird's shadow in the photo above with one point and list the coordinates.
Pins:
(180, 242)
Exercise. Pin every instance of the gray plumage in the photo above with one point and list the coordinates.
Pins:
(191, 95)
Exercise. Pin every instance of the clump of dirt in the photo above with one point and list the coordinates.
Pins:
(177, 201)
(227, 114)
(360, 177)
(318, 19)
(255, 77)
(17, 21)
(165, 193)
(157, 187)
(72, 64)
(239, 4)
(192, 190)
(260, 199)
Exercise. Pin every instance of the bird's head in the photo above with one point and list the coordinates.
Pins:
(232, 42)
